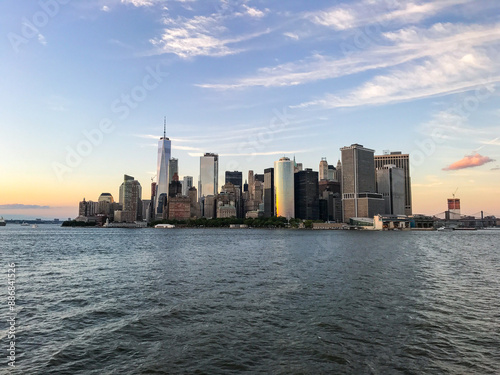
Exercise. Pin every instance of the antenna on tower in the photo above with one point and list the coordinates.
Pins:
(165, 127)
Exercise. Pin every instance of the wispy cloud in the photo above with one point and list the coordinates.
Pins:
(42, 40)
(417, 49)
(442, 75)
(469, 161)
(368, 12)
(264, 153)
(204, 35)
(291, 35)
(17, 206)
(140, 3)
(254, 12)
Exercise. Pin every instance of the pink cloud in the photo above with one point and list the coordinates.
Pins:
(469, 161)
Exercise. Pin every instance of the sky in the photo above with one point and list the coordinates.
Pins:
(85, 86)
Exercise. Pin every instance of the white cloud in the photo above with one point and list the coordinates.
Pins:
(139, 3)
(199, 36)
(368, 12)
(291, 35)
(253, 12)
(149, 3)
(338, 18)
(445, 74)
(401, 47)
(42, 40)
(105, 8)
(193, 37)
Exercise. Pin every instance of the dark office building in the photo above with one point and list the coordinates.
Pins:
(175, 189)
(269, 192)
(325, 185)
(330, 207)
(306, 195)
(259, 177)
(235, 178)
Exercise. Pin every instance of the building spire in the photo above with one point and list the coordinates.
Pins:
(165, 127)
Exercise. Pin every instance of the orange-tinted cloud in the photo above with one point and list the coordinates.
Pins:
(469, 161)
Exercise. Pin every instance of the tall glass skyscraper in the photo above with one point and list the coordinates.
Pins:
(162, 172)
(284, 190)
(209, 175)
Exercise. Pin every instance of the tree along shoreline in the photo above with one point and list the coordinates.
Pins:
(270, 223)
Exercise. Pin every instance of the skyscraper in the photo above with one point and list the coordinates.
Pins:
(162, 171)
(130, 198)
(236, 178)
(268, 192)
(391, 184)
(187, 183)
(401, 161)
(284, 189)
(359, 197)
(208, 183)
(173, 168)
(332, 173)
(209, 175)
(323, 169)
(306, 195)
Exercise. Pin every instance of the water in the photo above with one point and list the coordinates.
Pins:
(217, 301)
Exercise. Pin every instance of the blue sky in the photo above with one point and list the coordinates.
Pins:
(250, 80)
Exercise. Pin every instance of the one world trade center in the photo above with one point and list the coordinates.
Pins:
(162, 171)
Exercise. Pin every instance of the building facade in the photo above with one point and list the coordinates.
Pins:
(284, 188)
(173, 168)
(209, 175)
(359, 197)
(268, 192)
(401, 161)
(179, 208)
(208, 183)
(162, 174)
(391, 184)
(131, 199)
(306, 195)
(187, 183)
(323, 169)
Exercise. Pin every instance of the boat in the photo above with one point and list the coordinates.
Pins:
(24, 224)
(34, 226)
(2, 222)
(165, 226)
(445, 229)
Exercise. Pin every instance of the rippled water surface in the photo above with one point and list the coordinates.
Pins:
(217, 301)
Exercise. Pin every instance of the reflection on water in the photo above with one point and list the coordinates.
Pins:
(94, 301)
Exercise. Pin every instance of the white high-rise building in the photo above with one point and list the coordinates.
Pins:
(323, 169)
(162, 171)
(187, 183)
(284, 188)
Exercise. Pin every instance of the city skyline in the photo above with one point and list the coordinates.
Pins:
(85, 94)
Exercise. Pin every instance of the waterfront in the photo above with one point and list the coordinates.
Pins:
(95, 301)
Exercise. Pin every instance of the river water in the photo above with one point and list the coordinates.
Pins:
(222, 301)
